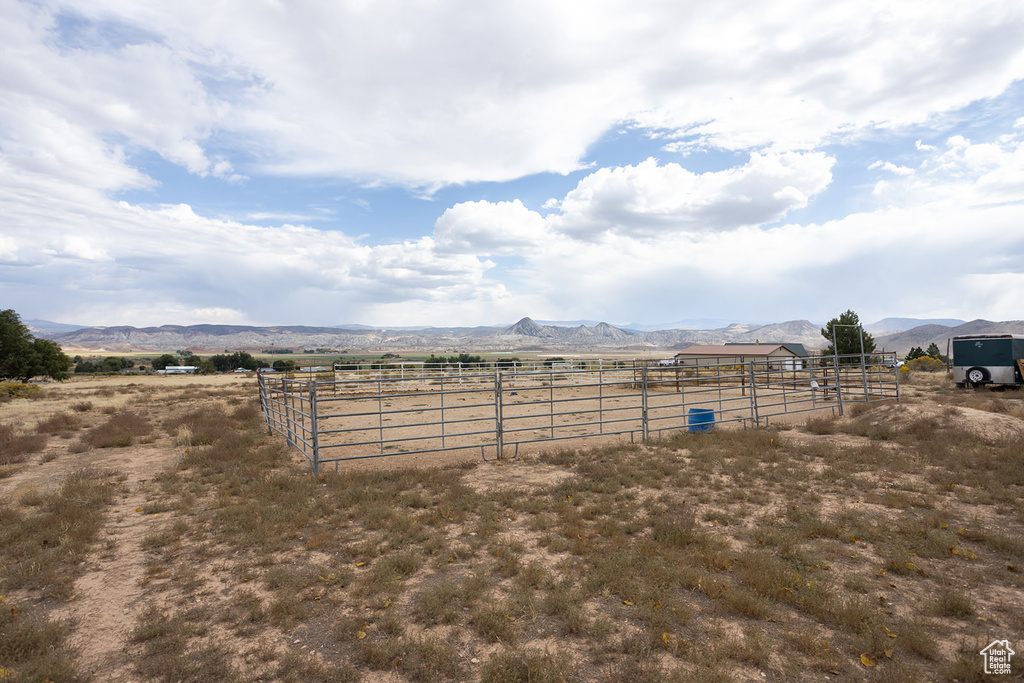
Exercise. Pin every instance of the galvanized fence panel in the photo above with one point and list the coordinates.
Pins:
(289, 407)
(678, 395)
(356, 416)
(369, 418)
(556, 404)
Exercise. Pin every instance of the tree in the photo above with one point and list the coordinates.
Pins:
(915, 353)
(203, 366)
(109, 364)
(848, 337)
(238, 359)
(23, 357)
(163, 361)
(934, 352)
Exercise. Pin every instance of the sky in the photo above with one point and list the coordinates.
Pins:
(458, 162)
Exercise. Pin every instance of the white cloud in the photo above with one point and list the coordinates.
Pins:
(427, 94)
(971, 173)
(876, 262)
(113, 259)
(121, 263)
(502, 229)
(641, 241)
(891, 168)
(39, 146)
(142, 95)
(648, 200)
(991, 294)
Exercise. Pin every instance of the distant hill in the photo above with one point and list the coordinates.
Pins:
(794, 330)
(924, 335)
(572, 336)
(695, 324)
(44, 328)
(892, 325)
(528, 328)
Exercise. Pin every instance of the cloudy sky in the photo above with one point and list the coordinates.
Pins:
(458, 162)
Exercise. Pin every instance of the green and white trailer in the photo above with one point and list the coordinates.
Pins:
(993, 359)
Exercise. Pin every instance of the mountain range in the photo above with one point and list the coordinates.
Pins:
(924, 335)
(525, 335)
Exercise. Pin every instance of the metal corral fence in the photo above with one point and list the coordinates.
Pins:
(398, 411)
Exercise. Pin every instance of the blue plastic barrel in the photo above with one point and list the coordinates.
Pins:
(702, 420)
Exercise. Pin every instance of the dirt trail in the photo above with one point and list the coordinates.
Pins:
(107, 599)
(108, 596)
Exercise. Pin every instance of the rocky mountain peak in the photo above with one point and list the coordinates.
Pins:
(528, 328)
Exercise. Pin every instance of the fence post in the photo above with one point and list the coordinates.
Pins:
(897, 371)
(863, 367)
(643, 402)
(839, 389)
(313, 427)
(551, 399)
(380, 414)
(753, 396)
(498, 412)
(264, 402)
(289, 420)
(442, 412)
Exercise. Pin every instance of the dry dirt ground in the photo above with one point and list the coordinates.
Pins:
(118, 584)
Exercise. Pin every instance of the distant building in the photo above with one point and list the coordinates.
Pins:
(777, 356)
(178, 370)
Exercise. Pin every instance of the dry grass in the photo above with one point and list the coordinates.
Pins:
(120, 430)
(45, 546)
(15, 447)
(33, 648)
(45, 539)
(61, 422)
(737, 555)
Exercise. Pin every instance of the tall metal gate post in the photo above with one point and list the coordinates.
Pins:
(498, 412)
(289, 415)
(380, 414)
(644, 403)
(313, 427)
(753, 396)
(264, 401)
(442, 411)
(839, 389)
(863, 368)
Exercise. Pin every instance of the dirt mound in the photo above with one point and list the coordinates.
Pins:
(986, 426)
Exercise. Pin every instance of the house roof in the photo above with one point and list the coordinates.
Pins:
(798, 349)
(735, 350)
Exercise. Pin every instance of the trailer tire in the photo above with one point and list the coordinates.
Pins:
(977, 375)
